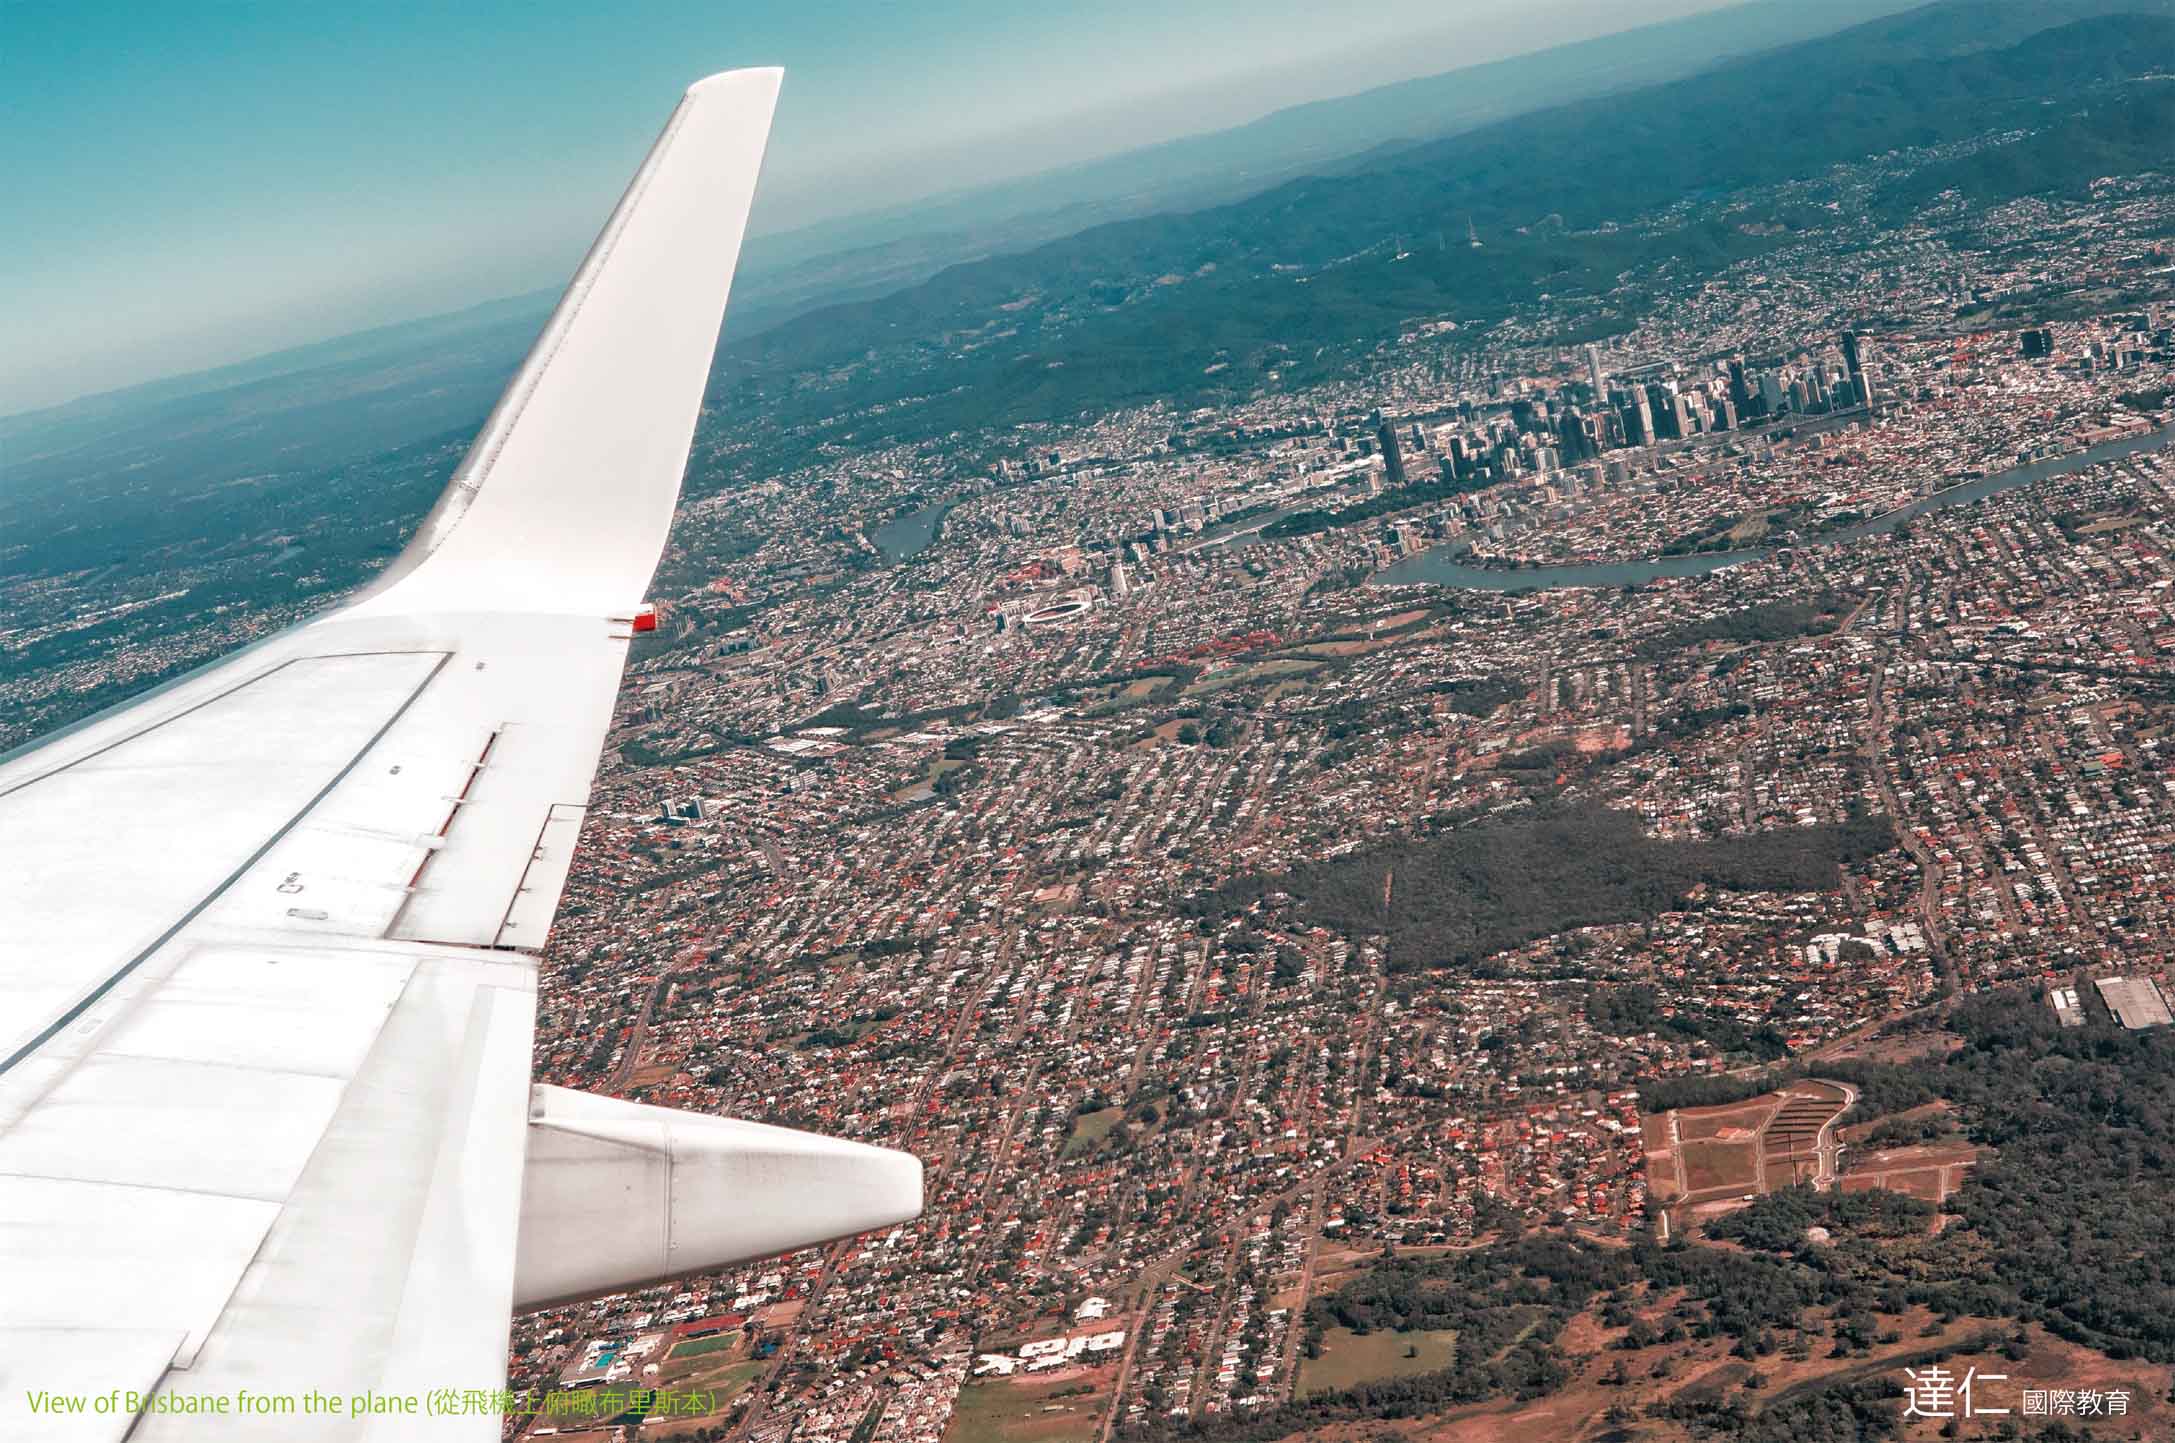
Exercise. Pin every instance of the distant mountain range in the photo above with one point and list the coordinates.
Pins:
(864, 255)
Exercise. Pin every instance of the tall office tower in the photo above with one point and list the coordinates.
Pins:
(1593, 370)
(1393, 456)
(1770, 394)
(1725, 414)
(1596, 433)
(1855, 364)
(1740, 394)
(1661, 412)
(1571, 432)
(1639, 420)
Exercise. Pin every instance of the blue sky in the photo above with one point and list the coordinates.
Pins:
(194, 183)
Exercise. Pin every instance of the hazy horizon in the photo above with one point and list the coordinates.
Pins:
(147, 249)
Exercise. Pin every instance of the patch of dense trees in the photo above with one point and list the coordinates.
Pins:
(1479, 696)
(1531, 1285)
(1486, 1296)
(1747, 1296)
(1768, 621)
(1778, 1221)
(1509, 1303)
(2077, 1206)
(1716, 535)
(1546, 757)
(853, 717)
(1883, 1087)
(1698, 719)
(1636, 1009)
(1859, 1412)
(1909, 1131)
(1454, 897)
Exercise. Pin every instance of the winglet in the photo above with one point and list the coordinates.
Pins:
(728, 79)
(563, 502)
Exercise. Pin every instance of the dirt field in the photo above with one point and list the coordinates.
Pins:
(1661, 1161)
(1700, 1159)
(1721, 1166)
(1695, 1124)
(1931, 1172)
(1791, 1143)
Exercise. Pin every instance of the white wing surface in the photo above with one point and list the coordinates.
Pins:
(267, 935)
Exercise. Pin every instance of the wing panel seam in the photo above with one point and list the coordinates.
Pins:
(91, 998)
(218, 696)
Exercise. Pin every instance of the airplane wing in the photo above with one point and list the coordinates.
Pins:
(268, 935)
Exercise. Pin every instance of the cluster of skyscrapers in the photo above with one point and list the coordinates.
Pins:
(1652, 405)
(1644, 411)
(1600, 413)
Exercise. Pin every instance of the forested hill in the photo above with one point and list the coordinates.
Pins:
(1140, 309)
